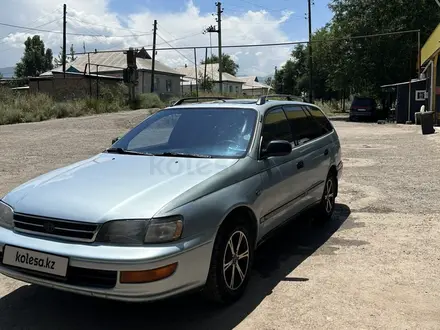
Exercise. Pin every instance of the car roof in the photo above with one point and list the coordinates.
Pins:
(239, 103)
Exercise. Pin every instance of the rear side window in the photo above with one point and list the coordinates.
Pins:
(319, 116)
(276, 127)
(299, 123)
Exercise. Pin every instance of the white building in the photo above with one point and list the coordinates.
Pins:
(231, 84)
(253, 87)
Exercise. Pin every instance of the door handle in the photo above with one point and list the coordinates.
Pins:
(300, 164)
(326, 152)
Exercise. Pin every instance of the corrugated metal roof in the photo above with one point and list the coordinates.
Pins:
(211, 73)
(255, 85)
(413, 81)
(249, 79)
(431, 46)
(114, 61)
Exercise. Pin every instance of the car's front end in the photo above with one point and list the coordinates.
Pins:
(74, 229)
(71, 259)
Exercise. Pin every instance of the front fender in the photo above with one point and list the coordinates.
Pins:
(205, 215)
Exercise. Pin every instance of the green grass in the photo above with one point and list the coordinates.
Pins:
(19, 107)
(332, 108)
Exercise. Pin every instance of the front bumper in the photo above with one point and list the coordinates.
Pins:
(95, 269)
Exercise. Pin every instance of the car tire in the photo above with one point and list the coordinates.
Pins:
(228, 273)
(326, 207)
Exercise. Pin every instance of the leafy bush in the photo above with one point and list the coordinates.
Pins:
(17, 107)
(147, 101)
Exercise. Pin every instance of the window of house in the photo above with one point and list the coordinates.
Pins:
(168, 85)
(156, 84)
(230, 89)
(276, 127)
(236, 89)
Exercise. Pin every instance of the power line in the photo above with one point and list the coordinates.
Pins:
(287, 43)
(186, 37)
(68, 33)
(174, 49)
(55, 20)
(106, 26)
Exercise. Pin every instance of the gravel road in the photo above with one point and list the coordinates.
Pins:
(374, 267)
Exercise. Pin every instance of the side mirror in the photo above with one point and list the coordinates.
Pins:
(115, 139)
(277, 148)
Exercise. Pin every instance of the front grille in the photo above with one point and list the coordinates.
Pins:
(83, 277)
(76, 231)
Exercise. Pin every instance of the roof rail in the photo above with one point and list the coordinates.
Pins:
(262, 100)
(220, 98)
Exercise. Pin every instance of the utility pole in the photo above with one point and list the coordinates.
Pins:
(419, 54)
(310, 53)
(206, 60)
(154, 56)
(210, 29)
(130, 74)
(195, 68)
(275, 79)
(220, 60)
(64, 39)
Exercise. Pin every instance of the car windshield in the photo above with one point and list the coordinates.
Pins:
(193, 132)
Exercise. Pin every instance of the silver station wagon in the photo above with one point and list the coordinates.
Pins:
(178, 203)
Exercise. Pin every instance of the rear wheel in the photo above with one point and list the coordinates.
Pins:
(231, 263)
(326, 207)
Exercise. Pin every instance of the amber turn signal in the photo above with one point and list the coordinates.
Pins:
(145, 276)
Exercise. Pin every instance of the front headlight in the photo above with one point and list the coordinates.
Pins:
(139, 232)
(6, 216)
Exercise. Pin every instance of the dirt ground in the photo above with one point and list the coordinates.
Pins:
(374, 267)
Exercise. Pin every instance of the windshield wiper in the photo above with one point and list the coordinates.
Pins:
(182, 154)
(127, 152)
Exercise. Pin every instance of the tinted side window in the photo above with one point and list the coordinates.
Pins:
(276, 127)
(320, 118)
(299, 123)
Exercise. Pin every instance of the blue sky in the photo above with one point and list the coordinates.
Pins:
(117, 24)
(295, 28)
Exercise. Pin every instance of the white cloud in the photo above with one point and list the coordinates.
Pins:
(179, 28)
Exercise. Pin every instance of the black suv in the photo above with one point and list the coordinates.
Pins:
(363, 108)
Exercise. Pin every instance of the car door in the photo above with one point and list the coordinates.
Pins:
(317, 129)
(281, 179)
(308, 148)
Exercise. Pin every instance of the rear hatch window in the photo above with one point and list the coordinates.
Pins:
(363, 103)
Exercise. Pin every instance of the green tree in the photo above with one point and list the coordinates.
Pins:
(269, 81)
(343, 65)
(367, 63)
(229, 65)
(35, 60)
(72, 53)
(69, 58)
(205, 84)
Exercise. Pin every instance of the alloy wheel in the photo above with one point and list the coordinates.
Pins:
(329, 196)
(236, 260)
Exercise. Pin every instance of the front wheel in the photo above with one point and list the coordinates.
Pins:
(230, 264)
(326, 207)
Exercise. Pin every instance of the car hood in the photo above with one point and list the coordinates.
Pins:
(108, 187)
